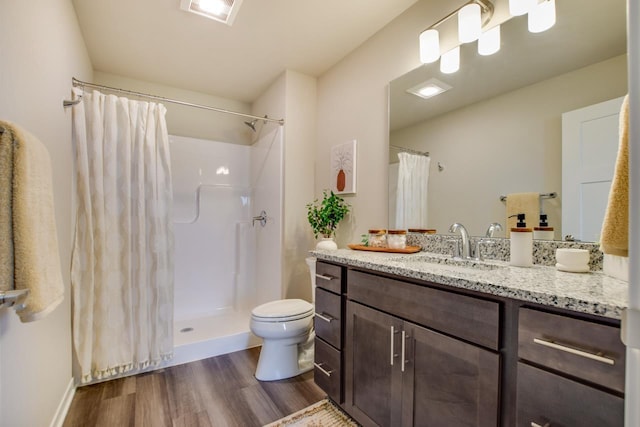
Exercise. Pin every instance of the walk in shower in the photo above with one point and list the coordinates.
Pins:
(224, 259)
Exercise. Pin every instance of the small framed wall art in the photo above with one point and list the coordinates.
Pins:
(343, 168)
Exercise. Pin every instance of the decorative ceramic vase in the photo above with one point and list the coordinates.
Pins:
(327, 243)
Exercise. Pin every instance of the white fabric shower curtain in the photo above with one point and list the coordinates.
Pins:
(411, 197)
(122, 261)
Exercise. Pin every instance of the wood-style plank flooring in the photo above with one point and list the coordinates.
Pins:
(219, 391)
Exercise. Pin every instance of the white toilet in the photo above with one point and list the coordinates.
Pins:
(286, 327)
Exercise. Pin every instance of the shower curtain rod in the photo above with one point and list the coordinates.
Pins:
(410, 151)
(75, 82)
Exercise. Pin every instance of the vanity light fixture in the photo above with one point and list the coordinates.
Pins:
(489, 41)
(429, 88)
(223, 11)
(542, 16)
(469, 23)
(450, 61)
(471, 17)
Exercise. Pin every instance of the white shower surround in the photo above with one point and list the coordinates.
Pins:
(225, 266)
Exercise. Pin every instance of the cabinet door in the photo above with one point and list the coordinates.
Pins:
(372, 375)
(447, 382)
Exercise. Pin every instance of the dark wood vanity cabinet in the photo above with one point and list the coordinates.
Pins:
(401, 373)
(570, 371)
(329, 327)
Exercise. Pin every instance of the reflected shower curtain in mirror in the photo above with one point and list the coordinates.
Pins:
(122, 261)
(413, 181)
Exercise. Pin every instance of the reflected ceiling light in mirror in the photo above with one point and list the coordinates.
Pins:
(220, 10)
(429, 46)
(429, 88)
(450, 61)
(469, 23)
(542, 16)
(521, 7)
(489, 41)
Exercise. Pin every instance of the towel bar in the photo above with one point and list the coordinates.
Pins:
(552, 195)
(10, 298)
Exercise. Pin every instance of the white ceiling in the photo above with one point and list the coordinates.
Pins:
(155, 41)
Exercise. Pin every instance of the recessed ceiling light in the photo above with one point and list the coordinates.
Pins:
(220, 10)
(429, 88)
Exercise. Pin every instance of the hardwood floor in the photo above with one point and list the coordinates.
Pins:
(220, 391)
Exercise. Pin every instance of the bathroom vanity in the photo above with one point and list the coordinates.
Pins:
(405, 340)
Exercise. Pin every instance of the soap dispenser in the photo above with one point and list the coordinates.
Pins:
(543, 232)
(521, 244)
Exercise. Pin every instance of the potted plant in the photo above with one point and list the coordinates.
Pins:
(325, 216)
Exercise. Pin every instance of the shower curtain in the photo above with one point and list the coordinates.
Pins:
(411, 197)
(122, 261)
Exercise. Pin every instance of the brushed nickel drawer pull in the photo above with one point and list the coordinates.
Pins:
(321, 369)
(324, 316)
(534, 424)
(575, 351)
(323, 277)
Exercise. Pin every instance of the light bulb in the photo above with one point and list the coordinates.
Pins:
(469, 23)
(489, 41)
(542, 17)
(450, 61)
(520, 7)
(429, 46)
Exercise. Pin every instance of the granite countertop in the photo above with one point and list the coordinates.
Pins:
(592, 292)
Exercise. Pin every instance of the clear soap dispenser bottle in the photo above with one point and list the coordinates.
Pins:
(543, 232)
(521, 244)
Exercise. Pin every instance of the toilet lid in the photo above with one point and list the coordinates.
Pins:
(284, 308)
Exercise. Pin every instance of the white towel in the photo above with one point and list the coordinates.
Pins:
(35, 240)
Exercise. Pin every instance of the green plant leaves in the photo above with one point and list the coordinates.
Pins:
(324, 217)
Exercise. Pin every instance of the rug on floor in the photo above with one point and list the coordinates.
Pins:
(320, 414)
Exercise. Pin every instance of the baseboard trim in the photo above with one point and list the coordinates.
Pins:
(65, 403)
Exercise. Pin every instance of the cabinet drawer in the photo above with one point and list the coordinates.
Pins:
(329, 277)
(548, 399)
(581, 348)
(468, 318)
(327, 370)
(328, 318)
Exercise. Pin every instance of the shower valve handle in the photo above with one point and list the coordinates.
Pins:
(262, 218)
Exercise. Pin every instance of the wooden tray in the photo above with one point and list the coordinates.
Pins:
(406, 250)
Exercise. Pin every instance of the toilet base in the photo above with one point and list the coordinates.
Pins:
(279, 361)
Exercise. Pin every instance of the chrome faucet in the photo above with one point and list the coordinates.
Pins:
(466, 246)
(493, 227)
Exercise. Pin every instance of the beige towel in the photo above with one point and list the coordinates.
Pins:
(6, 233)
(526, 203)
(614, 239)
(35, 241)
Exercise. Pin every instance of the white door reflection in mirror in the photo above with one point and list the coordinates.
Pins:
(589, 150)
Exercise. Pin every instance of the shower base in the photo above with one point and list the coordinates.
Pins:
(204, 337)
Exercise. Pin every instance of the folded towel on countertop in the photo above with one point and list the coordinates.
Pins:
(526, 203)
(614, 239)
(35, 242)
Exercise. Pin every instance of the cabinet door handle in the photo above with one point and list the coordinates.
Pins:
(321, 369)
(534, 424)
(577, 352)
(393, 355)
(324, 316)
(402, 360)
(323, 277)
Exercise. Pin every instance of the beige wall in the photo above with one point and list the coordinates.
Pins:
(41, 49)
(188, 121)
(352, 104)
(510, 143)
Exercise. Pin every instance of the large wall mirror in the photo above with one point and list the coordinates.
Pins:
(498, 130)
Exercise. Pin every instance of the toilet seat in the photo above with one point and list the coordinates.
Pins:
(283, 310)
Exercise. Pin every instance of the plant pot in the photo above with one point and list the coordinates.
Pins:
(327, 243)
